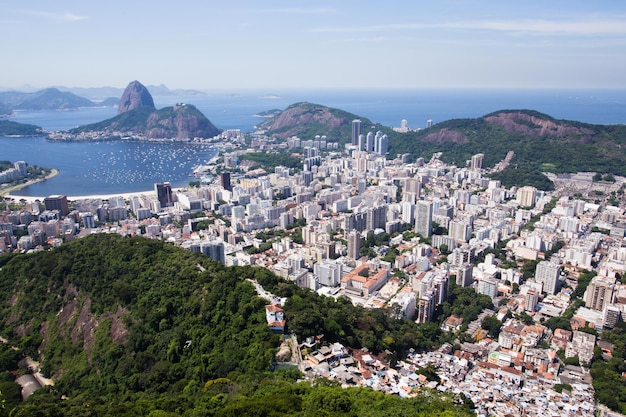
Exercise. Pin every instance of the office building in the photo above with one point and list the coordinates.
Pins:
(163, 191)
(57, 202)
(225, 181)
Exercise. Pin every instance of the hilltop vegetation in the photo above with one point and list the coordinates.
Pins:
(306, 120)
(540, 143)
(179, 122)
(10, 128)
(129, 326)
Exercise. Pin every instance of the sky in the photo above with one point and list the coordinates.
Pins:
(293, 44)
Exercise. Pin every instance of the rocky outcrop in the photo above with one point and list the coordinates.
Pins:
(536, 124)
(138, 116)
(308, 120)
(446, 135)
(135, 95)
(181, 121)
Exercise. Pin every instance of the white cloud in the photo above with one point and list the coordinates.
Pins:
(57, 17)
(609, 26)
(295, 10)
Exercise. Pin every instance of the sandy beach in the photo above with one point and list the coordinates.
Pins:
(30, 198)
(7, 191)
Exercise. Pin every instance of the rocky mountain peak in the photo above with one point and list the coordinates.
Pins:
(135, 95)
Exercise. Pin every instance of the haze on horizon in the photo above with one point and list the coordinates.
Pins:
(245, 44)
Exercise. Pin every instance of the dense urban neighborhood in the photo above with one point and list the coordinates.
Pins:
(405, 236)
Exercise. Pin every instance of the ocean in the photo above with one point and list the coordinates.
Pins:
(114, 167)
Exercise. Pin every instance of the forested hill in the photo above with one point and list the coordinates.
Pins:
(130, 326)
(539, 141)
(182, 121)
(308, 119)
(11, 128)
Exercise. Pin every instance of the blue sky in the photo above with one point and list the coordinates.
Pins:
(324, 44)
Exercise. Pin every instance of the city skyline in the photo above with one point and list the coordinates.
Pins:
(245, 45)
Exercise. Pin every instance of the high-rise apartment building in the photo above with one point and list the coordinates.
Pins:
(460, 231)
(356, 131)
(354, 244)
(526, 196)
(464, 276)
(477, 161)
(488, 286)
(548, 274)
(424, 218)
(530, 300)
(599, 293)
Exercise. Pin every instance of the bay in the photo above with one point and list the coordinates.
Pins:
(115, 167)
(89, 168)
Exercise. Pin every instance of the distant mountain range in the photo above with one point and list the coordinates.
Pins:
(65, 98)
(100, 93)
(540, 142)
(48, 99)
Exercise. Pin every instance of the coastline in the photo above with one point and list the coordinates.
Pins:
(7, 191)
(30, 198)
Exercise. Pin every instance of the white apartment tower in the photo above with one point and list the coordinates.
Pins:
(477, 161)
(526, 196)
(599, 293)
(354, 245)
(548, 274)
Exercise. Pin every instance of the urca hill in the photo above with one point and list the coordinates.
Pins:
(137, 115)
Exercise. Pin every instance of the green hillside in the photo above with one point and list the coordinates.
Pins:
(134, 327)
(180, 121)
(540, 142)
(11, 128)
(133, 120)
(306, 120)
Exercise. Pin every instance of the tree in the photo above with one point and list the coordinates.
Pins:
(492, 325)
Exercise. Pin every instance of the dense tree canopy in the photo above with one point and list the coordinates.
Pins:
(134, 327)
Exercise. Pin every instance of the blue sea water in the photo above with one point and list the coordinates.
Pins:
(115, 167)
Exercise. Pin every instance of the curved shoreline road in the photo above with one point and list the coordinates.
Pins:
(5, 192)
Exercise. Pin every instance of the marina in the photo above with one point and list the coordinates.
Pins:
(113, 167)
